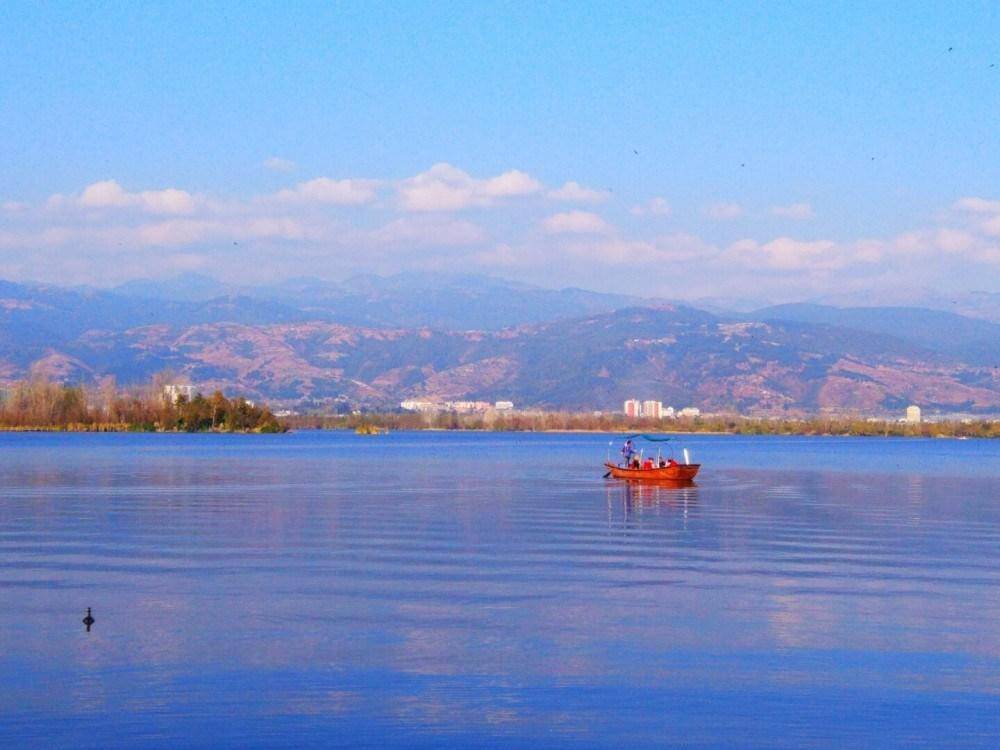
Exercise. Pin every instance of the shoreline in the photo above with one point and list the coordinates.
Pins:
(372, 425)
(484, 430)
(563, 422)
(136, 430)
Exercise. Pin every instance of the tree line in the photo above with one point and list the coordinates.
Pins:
(39, 404)
(618, 423)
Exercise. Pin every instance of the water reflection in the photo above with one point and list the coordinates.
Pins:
(633, 499)
(494, 592)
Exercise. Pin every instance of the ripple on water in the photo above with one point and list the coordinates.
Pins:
(494, 590)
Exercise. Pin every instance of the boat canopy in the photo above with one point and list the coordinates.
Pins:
(650, 438)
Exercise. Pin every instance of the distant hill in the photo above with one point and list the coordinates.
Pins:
(36, 318)
(445, 301)
(185, 287)
(968, 339)
(982, 305)
(291, 350)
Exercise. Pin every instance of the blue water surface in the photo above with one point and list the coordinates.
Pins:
(472, 589)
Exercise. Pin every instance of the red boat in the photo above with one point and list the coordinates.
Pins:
(662, 469)
(671, 473)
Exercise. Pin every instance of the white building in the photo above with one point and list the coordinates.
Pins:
(668, 413)
(504, 406)
(633, 408)
(652, 409)
(174, 391)
(465, 407)
(419, 405)
(913, 414)
(689, 411)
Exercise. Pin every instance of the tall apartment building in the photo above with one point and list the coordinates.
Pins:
(652, 409)
(633, 408)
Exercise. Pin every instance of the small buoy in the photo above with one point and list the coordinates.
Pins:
(88, 620)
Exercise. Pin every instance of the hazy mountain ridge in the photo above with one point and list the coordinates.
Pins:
(289, 354)
(446, 301)
(978, 304)
(969, 339)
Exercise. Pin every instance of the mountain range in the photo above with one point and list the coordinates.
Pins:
(374, 341)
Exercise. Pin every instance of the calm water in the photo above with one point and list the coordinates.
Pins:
(435, 590)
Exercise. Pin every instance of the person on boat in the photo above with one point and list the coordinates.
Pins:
(628, 450)
(635, 462)
(648, 463)
(663, 463)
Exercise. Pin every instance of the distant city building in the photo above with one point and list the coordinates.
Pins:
(633, 408)
(465, 407)
(653, 409)
(913, 414)
(174, 391)
(689, 411)
(668, 413)
(420, 406)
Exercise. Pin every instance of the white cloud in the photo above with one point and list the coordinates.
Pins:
(979, 214)
(109, 194)
(915, 251)
(954, 240)
(175, 232)
(509, 184)
(787, 254)
(104, 194)
(653, 207)
(724, 211)
(978, 205)
(574, 192)
(447, 188)
(428, 231)
(505, 255)
(324, 190)
(169, 201)
(277, 164)
(799, 211)
(653, 255)
(295, 227)
(991, 226)
(576, 222)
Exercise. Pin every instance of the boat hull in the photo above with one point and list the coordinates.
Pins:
(675, 473)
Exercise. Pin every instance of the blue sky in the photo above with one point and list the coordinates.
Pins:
(700, 135)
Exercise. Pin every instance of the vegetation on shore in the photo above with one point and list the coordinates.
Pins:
(40, 405)
(568, 421)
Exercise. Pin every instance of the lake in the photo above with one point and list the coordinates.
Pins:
(459, 589)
